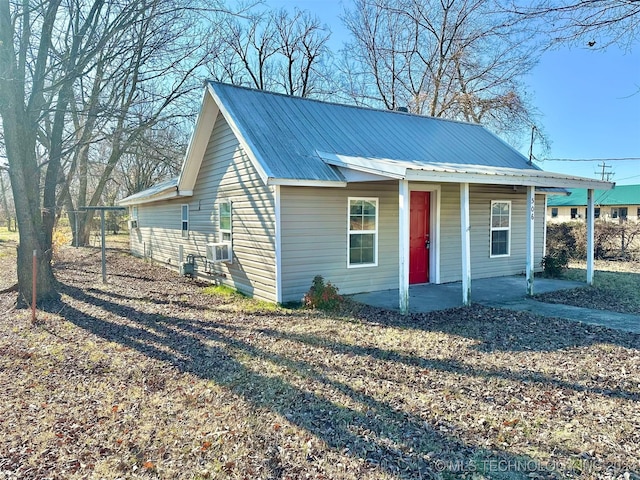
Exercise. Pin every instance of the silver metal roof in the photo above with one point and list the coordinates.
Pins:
(151, 192)
(287, 133)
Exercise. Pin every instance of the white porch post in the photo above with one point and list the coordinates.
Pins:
(531, 215)
(403, 243)
(544, 233)
(465, 235)
(590, 235)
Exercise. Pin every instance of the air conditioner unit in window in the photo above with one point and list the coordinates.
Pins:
(219, 252)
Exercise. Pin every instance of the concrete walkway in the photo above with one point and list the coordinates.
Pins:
(618, 321)
(501, 292)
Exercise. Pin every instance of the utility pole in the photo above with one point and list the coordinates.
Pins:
(605, 174)
(533, 129)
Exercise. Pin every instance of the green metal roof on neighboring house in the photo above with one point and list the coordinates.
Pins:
(619, 195)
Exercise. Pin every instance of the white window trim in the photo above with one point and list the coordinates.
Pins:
(368, 232)
(221, 230)
(185, 233)
(502, 229)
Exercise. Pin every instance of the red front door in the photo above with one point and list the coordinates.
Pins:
(419, 237)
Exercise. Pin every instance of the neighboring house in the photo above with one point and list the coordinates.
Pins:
(290, 188)
(617, 205)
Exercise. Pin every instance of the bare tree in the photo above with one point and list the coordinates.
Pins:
(274, 51)
(592, 23)
(6, 201)
(456, 59)
(137, 84)
(136, 62)
(155, 157)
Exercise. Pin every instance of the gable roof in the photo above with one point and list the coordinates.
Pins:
(289, 131)
(620, 195)
(298, 141)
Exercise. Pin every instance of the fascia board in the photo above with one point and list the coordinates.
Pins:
(509, 179)
(198, 143)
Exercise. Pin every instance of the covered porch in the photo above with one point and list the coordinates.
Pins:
(414, 176)
(486, 291)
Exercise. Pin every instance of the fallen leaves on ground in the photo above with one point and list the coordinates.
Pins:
(147, 377)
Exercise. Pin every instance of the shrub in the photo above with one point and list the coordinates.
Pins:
(60, 238)
(555, 263)
(323, 296)
(611, 240)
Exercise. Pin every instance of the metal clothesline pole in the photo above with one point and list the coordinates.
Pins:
(102, 236)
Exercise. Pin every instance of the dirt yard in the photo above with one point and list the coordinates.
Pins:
(148, 376)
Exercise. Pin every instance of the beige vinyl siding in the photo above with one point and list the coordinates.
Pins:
(314, 238)
(226, 173)
(450, 242)
(482, 265)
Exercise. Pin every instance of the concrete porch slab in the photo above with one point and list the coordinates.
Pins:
(486, 291)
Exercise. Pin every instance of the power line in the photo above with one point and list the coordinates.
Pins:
(623, 159)
(628, 178)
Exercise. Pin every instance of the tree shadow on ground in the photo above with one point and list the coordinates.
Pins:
(498, 329)
(451, 365)
(395, 441)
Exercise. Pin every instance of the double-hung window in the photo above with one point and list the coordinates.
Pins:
(362, 239)
(224, 208)
(500, 228)
(554, 212)
(133, 217)
(185, 221)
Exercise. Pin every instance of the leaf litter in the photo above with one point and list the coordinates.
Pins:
(148, 377)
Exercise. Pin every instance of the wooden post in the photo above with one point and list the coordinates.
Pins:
(465, 234)
(531, 215)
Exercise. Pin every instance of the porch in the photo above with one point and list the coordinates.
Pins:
(486, 291)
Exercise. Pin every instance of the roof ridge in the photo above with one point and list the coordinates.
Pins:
(346, 105)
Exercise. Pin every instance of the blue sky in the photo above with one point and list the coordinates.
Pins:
(589, 100)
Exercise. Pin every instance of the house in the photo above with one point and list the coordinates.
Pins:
(277, 189)
(617, 205)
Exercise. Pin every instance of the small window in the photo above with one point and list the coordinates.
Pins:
(362, 249)
(225, 220)
(554, 212)
(500, 228)
(619, 212)
(638, 213)
(596, 212)
(185, 221)
(133, 217)
(574, 213)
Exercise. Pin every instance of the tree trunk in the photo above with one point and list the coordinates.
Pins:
(5, 202)
(25, 186)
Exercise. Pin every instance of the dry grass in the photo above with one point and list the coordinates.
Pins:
(148, 377)
(616, 287)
